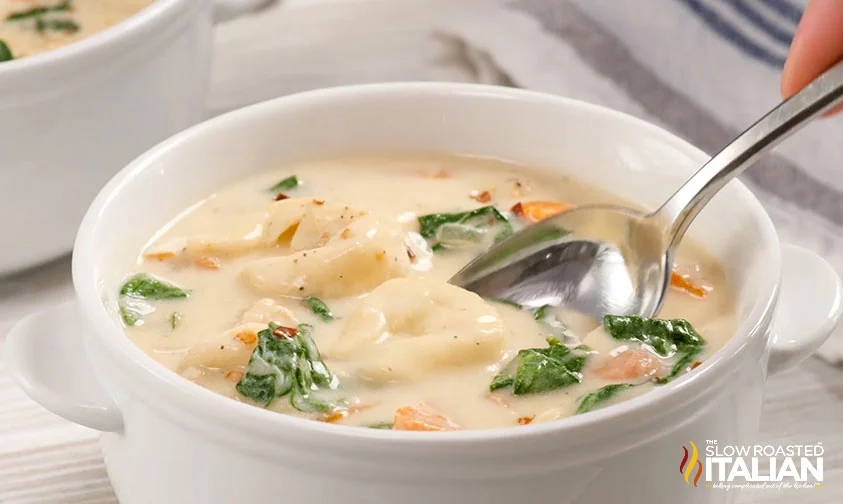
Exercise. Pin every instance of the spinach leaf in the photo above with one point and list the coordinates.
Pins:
(602, 395)
(460, 228)
(668, 338)
(545, 316)
(130, 317)
(5, 52)
(259, 388)
(665, 337)
(506, 302)
(536, 370)
(132, 310)
(318, 307)
(175, 319)
(312, 375)
(684, 362)
(146, 286)
(382, 425)
(542, 313)
(506, 376)
(271, 369)
(65, 25)
(39, 11)
(142, 288)
(288, 184)
(288, 362)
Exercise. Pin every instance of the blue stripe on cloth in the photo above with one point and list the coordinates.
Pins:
(785, 8)
(732, 34)
(778, 33)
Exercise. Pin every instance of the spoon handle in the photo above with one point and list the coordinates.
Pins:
(789, 116)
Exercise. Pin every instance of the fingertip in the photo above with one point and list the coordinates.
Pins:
(817, 45)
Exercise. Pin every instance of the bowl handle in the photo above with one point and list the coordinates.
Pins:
(808, 310)
(226, 10)
(45, 355)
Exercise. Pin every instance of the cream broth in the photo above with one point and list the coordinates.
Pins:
(407, 349)
(29, 27)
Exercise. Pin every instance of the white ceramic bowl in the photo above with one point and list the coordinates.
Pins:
(170, 441)
(72, 117)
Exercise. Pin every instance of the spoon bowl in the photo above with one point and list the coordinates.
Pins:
(594, 259)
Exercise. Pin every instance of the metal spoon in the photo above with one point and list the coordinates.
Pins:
(599, 259)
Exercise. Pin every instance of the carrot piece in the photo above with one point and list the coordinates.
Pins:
(630, 364)
(684, 283)
(247, 337)
(526, 420)
(234, 376)
(160, 256)
(535, 211)
(336, 416)
(422, 418)
(342, 414)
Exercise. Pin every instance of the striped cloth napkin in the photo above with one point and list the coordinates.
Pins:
(704, 69)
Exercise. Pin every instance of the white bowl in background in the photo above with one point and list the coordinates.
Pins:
(72, 117)
(169, 441)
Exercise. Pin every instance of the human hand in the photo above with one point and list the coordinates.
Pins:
(817, 46)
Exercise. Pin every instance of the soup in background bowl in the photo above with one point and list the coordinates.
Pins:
(92, 84)
(196, 445)
(320, 290)
(29, 27)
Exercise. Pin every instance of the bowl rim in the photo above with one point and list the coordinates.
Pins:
(124, 33)
(217, 409)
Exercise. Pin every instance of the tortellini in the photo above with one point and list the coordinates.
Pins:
(411, 327)
(320, 223)
(331, 259)
(233, 235)
(234, 347)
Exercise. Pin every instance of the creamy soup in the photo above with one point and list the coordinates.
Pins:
(320, 290)
(29, 27)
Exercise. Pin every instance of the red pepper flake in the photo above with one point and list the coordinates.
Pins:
(483, 197)
(285, 332)
(411, 254)
(525, 420)
(318, 202)
(696, 365)
(517, 209)
(280, 196)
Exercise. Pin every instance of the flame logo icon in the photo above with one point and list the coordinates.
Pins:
(686, 467)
